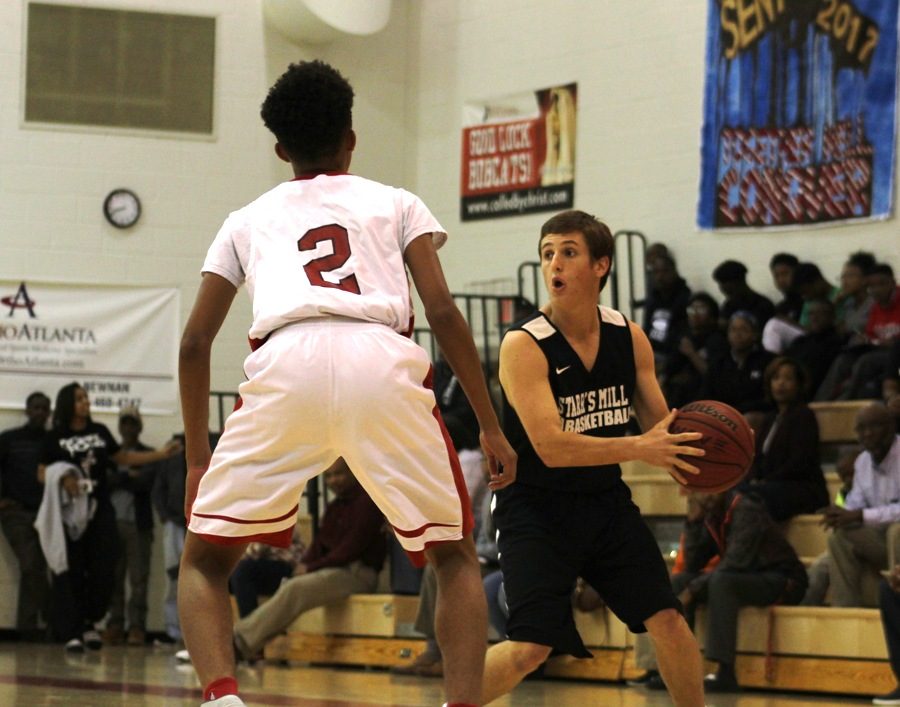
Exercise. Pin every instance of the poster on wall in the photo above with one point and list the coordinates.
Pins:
(119, 343)
(799, 112)
(518, 154)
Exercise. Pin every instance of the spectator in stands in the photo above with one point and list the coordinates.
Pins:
(782, 267)
(20, 498)
(787, 475)
(857, 372)
(168, 500)
(890, 383)
(859, 541)
(130, 494)
(81, 594)
(818, 348)
(665, 308)
(784, 326)
(344, 559)
(853, 302)
(812, 285)
(700, 342)
(654, 250)
(261, 571)
(818, 571)
(731, 277)
(889, 602)
(736, 378)
(758, 567)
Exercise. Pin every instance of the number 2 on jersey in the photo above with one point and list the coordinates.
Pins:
(340, 244)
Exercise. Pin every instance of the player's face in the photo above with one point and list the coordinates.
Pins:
(82, 404)
(567, 266)
(785, 385)
(852, 279)
(38, 411)
(741, 335)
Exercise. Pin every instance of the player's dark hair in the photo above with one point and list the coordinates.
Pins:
(784, 259)
(882, 269)
(706, 299)
(806, 274)
(36, 395)
(730, 271)
(863, 260)
(596, 234)
(800, 371)
(64, 409)
(309, 110)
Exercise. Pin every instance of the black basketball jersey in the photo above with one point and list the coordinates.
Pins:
(595, 402)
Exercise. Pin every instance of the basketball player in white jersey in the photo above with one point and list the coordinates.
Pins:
(333, 373)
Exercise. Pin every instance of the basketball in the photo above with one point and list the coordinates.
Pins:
(727, 440)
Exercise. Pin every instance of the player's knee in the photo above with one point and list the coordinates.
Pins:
(665, 623)
(528, 657)
(444, 554)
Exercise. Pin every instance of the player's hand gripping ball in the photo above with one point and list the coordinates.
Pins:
(727, 439)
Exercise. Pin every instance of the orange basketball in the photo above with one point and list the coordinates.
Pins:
(727, 440)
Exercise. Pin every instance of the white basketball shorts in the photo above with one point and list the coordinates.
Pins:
(317, 390)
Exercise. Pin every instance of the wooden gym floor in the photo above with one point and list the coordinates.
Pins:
(34, 675)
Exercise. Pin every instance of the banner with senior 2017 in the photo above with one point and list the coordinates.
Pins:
(799, 112)
(120, 343)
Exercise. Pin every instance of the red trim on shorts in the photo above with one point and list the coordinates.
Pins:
(280, 538)
(417, 557)
(419, 531)
(244, 521)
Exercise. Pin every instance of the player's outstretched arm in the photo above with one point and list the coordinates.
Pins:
(455, 339)
(654, 416)
(210, 308)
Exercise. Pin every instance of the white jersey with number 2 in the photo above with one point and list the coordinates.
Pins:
(328, 245)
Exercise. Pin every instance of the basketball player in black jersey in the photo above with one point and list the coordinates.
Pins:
(571, 374)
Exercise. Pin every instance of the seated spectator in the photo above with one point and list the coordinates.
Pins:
(758, 567)
(820, 345)
(699, 342)
(890, 383)
(261, 571)
(781, 329)
(786, 474)
(665, 308)
(20, 498)
(731, 277)
(853, 302)
(734, 555)
(782, 267)
(344, 559)
(130, 494)
(889, 603)
(811, 285)
(818, 572)
(857, 372)
(736, 377)
(859, 541)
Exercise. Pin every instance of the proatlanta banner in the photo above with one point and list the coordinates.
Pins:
(120, 343)
(800, 111)
(518, 154)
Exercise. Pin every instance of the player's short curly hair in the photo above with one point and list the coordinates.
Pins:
(309, 110)
(596, 234)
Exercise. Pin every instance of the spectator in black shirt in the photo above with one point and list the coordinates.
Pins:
(731, 277)
(736, 378)
(818, 348)
(80, 596)
(20, 499)
(665, 310)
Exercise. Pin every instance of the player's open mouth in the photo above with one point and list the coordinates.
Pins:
(556, 283)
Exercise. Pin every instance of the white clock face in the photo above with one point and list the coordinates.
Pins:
(122, 208)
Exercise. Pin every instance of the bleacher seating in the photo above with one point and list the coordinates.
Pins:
(814, 649)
